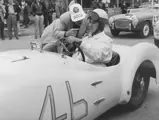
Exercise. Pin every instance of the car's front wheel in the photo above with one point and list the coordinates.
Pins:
(115, 32)
(145, 30)
(139, 90)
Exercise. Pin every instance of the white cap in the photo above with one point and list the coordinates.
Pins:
(101, 13)
(76, 12)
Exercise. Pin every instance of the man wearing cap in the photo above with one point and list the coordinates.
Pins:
(63, 27)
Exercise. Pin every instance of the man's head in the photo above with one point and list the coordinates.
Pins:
(10, 2)
(77, 13)
(98, 19)
(1, 2)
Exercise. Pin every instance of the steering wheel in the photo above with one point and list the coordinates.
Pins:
(70, 48)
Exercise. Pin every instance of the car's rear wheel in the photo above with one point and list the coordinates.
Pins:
(115, 32)
(145, 30)
(139, 90)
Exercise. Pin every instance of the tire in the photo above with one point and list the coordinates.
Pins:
(115, 32)
(139, 90)
(145, 30)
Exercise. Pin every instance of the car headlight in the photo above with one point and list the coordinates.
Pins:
(134, 20)
(111, 20)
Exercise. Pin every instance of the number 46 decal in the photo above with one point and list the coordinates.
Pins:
(73, 105)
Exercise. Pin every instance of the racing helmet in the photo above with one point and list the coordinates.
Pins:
(98, 15)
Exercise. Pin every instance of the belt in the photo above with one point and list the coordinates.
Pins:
(12, 14)
(39, 14)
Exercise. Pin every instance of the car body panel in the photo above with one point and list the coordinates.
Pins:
(54, 86)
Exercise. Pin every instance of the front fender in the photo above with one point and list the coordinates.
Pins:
(137, 55)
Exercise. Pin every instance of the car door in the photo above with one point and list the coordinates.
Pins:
(108, 87)
(82, 96)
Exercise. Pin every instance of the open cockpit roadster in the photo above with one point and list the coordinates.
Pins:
(43, 85)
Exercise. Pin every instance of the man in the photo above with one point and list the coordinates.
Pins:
(101, 5)
(38, 9)
(12, 11)
(25, 14)
(63, 27)
(60, 8)
(50, 8)
(95, 4)
(2, 12)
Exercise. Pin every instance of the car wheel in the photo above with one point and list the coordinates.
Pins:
(115, 32)
(145, 30)
(139, 90)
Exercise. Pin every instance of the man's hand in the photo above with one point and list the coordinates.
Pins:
(71, 32)
(72, 39)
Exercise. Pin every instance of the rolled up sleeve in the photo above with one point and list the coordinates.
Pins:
(58, 29)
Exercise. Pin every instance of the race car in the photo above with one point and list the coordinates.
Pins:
(137, 20)
(40, 85)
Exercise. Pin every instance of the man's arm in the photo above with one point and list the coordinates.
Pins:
(3, 9)
(58, 29)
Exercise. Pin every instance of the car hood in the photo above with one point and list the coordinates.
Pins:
(140, 15)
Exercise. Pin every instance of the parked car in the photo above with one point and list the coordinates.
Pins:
(43, 85)
(136, 20)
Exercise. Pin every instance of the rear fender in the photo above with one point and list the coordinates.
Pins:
(143, 56)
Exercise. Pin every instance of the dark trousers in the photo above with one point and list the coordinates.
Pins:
(1, 28)
(26, 19)
(12, 23)
(47, 19)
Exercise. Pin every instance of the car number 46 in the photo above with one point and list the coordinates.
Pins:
(50, 97)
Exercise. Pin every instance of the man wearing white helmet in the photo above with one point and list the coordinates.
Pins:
(97, 46)
(63, 27)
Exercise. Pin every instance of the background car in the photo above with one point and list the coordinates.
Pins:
(43, 85)
(136, 20)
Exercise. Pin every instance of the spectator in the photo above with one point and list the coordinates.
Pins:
(12, 12)
(101, 5)
(124, 7)
(50, 8)
(25, 14)
(95, 4)
(38, 9)
(18, 16)
(59, 8)
(2, 12)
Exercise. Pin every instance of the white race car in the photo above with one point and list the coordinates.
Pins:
(49, 86)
